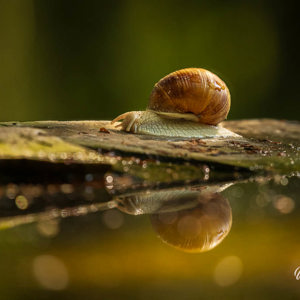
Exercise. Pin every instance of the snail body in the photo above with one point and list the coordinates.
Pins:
(187, 103)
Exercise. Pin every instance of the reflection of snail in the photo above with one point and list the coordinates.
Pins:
(189, 220)
(185, 103)
(196, 229)
(194, 219)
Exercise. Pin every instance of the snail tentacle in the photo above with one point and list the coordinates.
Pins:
(121, 117)
(129, 120)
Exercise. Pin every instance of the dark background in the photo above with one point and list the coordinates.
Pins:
(96, 59)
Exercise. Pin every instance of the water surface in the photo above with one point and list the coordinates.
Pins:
(111, 236)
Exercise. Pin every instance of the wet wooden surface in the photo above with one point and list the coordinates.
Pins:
(264, 144)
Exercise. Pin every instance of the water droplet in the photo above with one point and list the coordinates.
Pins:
(109, 179)
(11, 191)
(21, 202)
(284, 181)
(63, 155)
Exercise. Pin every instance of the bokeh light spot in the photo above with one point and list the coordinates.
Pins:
(21, 202)
(50, 272)
(48, 228)
(284, 204)
(113, 219)
(228, 271)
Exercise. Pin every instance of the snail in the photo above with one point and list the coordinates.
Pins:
(187, 103)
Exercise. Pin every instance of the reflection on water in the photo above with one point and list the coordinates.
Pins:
(196, 229)
(94, 234)
(192, 219)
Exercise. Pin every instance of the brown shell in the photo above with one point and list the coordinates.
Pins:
(192, 90)
(196, 229)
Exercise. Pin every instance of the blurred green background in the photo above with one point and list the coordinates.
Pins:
(96, 59)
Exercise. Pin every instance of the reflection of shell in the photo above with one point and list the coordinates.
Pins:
(195, 229)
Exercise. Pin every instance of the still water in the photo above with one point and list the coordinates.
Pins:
(107, 235)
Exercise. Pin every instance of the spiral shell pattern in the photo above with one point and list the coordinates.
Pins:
(192, 90)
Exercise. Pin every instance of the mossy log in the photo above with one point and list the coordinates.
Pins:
(264, 144)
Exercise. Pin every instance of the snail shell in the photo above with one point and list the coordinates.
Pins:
(192, 90)
(186, 103)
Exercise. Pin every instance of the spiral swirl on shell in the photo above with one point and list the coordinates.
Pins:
(192, 90)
